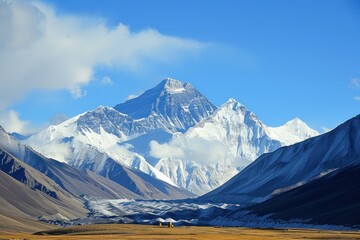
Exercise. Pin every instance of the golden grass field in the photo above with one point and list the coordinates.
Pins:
(130, 231)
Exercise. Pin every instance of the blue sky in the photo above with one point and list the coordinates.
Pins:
(281, 59)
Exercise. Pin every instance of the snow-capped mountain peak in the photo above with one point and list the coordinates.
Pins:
(224, 143)
(217, 148)
(233, 104)
(234, 113)
(292, 132)
(232, 101)
(173, 86)
(296, 121)
(178, 105)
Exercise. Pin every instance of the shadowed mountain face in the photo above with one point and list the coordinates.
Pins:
(293, 166)
(24, 174)
(331, 199)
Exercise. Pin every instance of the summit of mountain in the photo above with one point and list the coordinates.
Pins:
(179, 104)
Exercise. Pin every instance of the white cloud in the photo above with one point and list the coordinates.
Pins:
(131, 96)
(195, 149)
(355, 83)
(11, 122)
(77, 92)
(106, 81)
(357, 98)
(165, 150)
(43, 50)
(58, 151)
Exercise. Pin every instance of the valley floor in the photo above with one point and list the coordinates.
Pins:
(131, 231)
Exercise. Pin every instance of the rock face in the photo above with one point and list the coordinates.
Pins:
(170, 132)
(179, 105)
(293, 166)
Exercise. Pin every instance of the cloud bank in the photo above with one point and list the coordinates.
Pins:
(43, 50)
(197, 150)
(12, 122)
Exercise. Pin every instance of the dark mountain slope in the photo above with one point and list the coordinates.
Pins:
(331, 199)
(27, 193)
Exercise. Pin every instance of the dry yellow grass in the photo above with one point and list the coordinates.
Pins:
(129, 231)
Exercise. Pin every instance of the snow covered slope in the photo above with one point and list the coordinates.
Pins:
(125, 182)
(291, 132)
(293, 166)
(179, 104)
(91, 138)
(217, 148)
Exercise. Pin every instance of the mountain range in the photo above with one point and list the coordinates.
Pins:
(173, 143)
(221, 145)
(172, 133)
